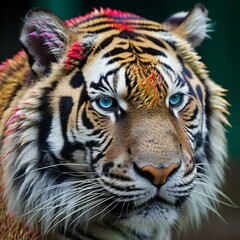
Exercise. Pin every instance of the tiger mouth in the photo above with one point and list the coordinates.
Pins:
(123, 208)
(161, 201)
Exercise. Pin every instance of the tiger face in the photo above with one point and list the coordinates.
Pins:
(119, 133)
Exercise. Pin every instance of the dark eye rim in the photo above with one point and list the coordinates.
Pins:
(179, 103)
(110, 109)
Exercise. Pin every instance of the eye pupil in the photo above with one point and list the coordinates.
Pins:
(105, 102)
(175, 99)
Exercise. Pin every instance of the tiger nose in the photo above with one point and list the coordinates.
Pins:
(158, 176)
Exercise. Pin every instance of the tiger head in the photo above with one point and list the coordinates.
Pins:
(120, 130)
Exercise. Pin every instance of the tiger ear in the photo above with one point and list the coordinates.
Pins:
(192, 26)
(44, 37)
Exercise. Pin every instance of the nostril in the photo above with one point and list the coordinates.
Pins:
(157, 176)
(144, 174)
(106, 167)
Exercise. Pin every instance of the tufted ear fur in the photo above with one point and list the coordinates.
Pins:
(44, 37)
(192, 26)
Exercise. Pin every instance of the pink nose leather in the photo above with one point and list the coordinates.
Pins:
(159, 174)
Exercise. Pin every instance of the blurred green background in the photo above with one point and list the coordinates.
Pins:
(220, 53)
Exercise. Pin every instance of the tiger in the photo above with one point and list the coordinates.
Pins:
(111, 127)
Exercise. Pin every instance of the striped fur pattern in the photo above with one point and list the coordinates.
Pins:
(94, 113)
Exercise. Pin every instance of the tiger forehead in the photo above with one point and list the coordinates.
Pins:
(148, 85)
(139, 57)
(127, 44)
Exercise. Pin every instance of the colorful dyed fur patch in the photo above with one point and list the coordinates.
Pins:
(110, 128)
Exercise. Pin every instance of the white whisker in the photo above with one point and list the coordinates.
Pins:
(98, 213)
(208, 206)
(81, 183)
(73, 173)
(91, 203)
(218, 191)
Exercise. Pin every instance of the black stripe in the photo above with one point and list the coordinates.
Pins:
(199, 139)
(208, 113)
(152, 51)
(193, 116)
(189, 172)
(189, 133)
(172, 44)
(116, 59)
(96, 132)
(77, 80)
(123, 189)
(101, 154)
(128, 34)
(183, 81)
(168, 68)
(152, 28)
(192, 126)
(105, 29)
(118, 177)
(117, 51)
(102, 133)
(100, 86)
(104, 43)
(156, 41)
(92, 144)
(200, 94)
(83, 99)
(106, 80)
(44, 125)
(185, 71)
(183, 185)
(65, 108)
(86, 121)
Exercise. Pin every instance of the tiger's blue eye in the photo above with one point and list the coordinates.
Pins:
(105, 102)
(176, 99)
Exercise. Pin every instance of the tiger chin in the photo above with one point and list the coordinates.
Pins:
(111, 127)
